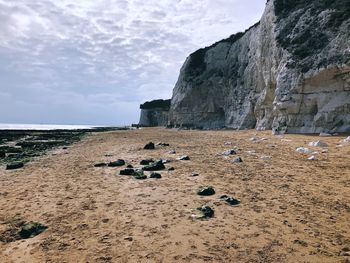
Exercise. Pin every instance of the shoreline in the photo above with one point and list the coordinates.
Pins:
(21, 146)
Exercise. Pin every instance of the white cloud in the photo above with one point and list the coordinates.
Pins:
(93, 53)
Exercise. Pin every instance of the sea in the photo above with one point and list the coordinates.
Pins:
(43, 127)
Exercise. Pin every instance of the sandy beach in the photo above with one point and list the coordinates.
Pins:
(292, 209)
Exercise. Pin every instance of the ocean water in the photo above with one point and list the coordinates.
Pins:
(11, 126)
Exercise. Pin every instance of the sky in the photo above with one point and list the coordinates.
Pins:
(94, 61)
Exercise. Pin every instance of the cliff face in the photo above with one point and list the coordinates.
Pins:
(289, 72)
(154, 113)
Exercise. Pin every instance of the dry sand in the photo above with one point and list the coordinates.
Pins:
(292, 209)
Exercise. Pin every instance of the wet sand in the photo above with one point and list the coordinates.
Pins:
(291, 210)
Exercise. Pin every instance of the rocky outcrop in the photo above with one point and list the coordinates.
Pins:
(290, 72)
(154, 113)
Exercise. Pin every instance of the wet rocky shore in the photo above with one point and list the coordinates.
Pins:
(18, 147)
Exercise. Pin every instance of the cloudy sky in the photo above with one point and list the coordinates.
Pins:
(95, 61)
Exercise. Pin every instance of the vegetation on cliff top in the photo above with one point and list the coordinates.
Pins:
(162, 104)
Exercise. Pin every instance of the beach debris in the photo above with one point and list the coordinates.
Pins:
(318, 144)
(13, 166)
(128, 238)
(266, 157)
(346, 140)
(127, 171)
(345, 252)
(300, 242)
(171, 169)
(252, 152)
(206, 211)
(100, 165)
(172, 152)
(163, 144)
(237, 160)
(256, 139)
(129, 166)
(230, 200)
(325, 134)
(303, 150)
(31, 229)
(117, 163)
(195, 174)
(155, 175)
(228, 143)
(271, 146)
(149, 146)
(206, 191)
(229, 152)
(312, 158)
(183, 158)
(147, 161)
(155, 166)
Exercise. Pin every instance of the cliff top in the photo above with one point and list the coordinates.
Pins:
(162, 104)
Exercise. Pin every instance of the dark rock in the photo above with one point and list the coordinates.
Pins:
(31, 229)
(129, 166)
(146, 161)
(156, 166)
(141, 177)
(156, 175)
(100, 165)
(163, 144)
(128, 238)
(65, 148)
(165, 161)
(13, 166)
(230, 200)
(238, 160)
(117, 163)
(300, 242)
(127, 171)
(206, 190)
(9, 149)
(171, 169)
(195, 174)
(138, 172)
(206, 211)
(14, 155)
(172, 152)
(184, 158)
(149, 146)
(2, 154)
(229, 152)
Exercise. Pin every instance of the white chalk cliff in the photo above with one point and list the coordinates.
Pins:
(154, 113)
(290, 73)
